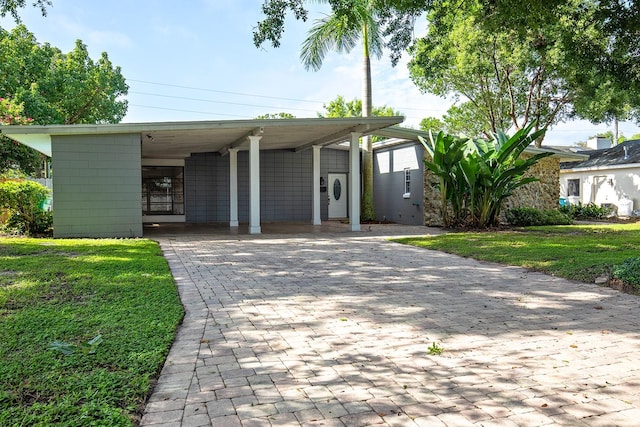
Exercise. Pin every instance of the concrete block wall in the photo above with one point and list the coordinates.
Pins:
(286, 190)
(97, 186)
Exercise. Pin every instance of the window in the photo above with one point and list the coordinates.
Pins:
(162, 190)
(407, 183)
(573, 187)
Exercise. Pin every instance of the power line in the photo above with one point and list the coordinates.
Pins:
(225, 92)
(208, 113)
(216, 102)
(253, 95)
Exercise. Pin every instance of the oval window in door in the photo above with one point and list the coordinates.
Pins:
(337, 189)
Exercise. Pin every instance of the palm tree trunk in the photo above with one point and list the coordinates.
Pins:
(367, 209)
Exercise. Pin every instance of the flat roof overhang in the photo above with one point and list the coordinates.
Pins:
(178, 140)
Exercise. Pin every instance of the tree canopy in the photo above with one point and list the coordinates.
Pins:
(11, 7)
(52, 87)
(582, 55)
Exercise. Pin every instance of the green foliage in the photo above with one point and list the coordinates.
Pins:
(88, 347)
(55, 88)
(476, 176)
(526, 216)
(339, 107)
(23, 200)
(14, 155)
(11, 7)
(628, 272)
(576, 252)
(585, 212)
(435, 349)
(274, 116)
(70, 291)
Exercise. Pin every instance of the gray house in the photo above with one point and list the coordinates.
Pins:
(405, 191)
(110, 179)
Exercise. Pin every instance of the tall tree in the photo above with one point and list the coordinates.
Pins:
(57, 88)
(600, 46)
(342, 32)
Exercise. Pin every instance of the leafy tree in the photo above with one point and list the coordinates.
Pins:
(11, 7)
(476, 176)
(339, 107)
(270, 116)
(57, 88)
(342, 32)
(432, 124)
(505, 78)
(14, 155)
(595, 44)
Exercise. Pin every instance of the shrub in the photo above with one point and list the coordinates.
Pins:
(628, 272)
(525, 216)
(23, 201)
(588, 211)
(476, 176)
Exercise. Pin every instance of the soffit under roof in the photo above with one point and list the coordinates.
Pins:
(180, 139)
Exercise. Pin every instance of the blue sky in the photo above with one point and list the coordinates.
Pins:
(196, 61)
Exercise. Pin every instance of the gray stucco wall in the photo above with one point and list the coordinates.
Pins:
(388, 185)
(286, 192)
(97, 186)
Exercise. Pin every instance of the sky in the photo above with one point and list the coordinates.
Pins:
(195, 60)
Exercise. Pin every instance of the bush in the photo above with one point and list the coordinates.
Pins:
(628, 272)
(23, 201)
(588, 211)
(522, 217)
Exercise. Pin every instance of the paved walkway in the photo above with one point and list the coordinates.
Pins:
(335, 330)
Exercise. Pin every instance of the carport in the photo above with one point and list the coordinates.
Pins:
(97, 169)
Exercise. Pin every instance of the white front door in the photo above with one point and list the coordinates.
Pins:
(337, 190)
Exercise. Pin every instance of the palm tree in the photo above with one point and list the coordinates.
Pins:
(342, 32)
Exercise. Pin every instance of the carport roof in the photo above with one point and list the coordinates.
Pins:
(180, 139)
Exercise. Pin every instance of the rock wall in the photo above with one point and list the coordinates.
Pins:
(543, 194)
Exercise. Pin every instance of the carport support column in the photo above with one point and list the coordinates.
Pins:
(316, 185)
(354, 182)
(254, 185)
(233, 187)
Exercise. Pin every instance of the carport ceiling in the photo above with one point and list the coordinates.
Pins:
(180, 139)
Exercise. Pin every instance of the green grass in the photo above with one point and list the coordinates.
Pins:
(72, 291)
(578, 252)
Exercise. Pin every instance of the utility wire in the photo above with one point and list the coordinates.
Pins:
(216, 102)
(250, 95)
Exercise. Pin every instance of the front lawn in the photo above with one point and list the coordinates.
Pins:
(72, 291)
(579, 252)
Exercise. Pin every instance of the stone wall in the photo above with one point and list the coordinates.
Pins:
(543, 194)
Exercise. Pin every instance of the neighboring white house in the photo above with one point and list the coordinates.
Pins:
(610, 177)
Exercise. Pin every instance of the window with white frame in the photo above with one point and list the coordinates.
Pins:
(573, 187)
(407, 183)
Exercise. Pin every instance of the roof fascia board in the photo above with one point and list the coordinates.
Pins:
(602, 168)
(80, 129)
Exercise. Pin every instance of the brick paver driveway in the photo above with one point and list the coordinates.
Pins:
(335, 330)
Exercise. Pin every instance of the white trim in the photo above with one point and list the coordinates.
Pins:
(254, 185)
(602, 168)
(354, 182)
(316, 185)
(233, 187)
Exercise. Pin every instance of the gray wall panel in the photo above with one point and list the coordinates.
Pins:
(388, 187)
(97, 186)
(286, 192)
